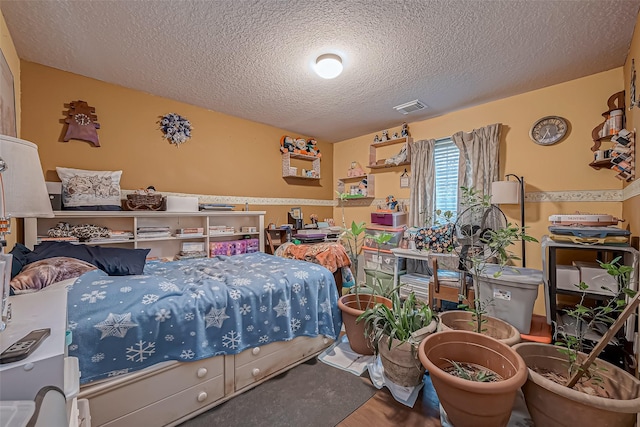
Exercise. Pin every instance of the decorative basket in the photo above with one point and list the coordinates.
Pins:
(153, 202)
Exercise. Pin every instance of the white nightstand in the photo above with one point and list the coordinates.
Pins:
(48, 365)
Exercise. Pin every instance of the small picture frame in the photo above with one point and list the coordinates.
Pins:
(296, 213)
(404, 180)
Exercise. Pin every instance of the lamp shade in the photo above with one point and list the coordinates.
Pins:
(505, 192)
(24, 192)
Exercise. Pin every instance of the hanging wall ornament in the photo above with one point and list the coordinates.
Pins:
(176, 129)
(81, 123)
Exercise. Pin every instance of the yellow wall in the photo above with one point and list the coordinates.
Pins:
(10, 54)
(557, 168)
(631, 206)
(226, 155)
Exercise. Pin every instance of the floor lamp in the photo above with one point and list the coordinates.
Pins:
(23, 194)
(507, 193)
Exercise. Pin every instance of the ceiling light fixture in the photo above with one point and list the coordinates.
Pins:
(328, 66)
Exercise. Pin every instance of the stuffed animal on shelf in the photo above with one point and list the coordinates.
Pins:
(392, 203)
(385, 135)
(286, 144)
(355, 170)
(405, 130)
(300, 146)
(312, 149)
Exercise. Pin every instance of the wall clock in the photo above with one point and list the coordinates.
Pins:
(81, 123)
(548, 130)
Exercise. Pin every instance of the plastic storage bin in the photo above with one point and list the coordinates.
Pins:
(384, 261)
(392, 219)
(512, 294)
(370, 233)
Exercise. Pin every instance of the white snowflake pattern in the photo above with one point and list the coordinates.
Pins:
(302, 275)
(189, 316)
(192, 333)
(94, 296)
(296, 287)
(269, 287)
(303, 300)
(101, 282)
(307, 317)
(325, 306)
(197, 294)
(169, 338)
(149, 299)
(73, 347)
(276, 329)
(169, 287)
(241, 281)
(263, 339)
(140, 351)
(118, 372)
(215, 288)
(250, 328)
(245, 309)
(204, 344)
(295, 324)
(115, 325)
(126, 289)
(263, 308)
(215, 317)
(187, 354)
(98, 357)
(72, 325)
(231, 340)
(282, 308)
(234, 294)
(162, 315)
(314, 268)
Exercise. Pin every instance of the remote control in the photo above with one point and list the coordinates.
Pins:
(22, 348)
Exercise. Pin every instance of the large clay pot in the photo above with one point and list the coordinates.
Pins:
(551, 404)
(351, 309)
(495, 328)
(400, 362)
(470, 403)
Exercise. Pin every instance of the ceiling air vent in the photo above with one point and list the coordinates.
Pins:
(410, 107)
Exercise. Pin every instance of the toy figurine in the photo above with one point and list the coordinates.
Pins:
(395, 135)
(405, 130)
(385, 135)
(286, 144)
(392, 203)
(300, 146)
(376, 139)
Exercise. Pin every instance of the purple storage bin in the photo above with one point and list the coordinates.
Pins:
(393, 219)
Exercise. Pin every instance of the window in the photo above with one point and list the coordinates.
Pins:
(446, 156)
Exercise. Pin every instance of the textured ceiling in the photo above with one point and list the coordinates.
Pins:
(252, 58)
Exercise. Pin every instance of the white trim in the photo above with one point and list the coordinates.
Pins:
(632, 190)
(240, 200)
(575, 196)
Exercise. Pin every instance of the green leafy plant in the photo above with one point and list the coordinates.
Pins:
(472, 373)
(399, 322)
(571, 343)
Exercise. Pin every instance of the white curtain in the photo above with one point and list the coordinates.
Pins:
(421, 182)
(479, 156)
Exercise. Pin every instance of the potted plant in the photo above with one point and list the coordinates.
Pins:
(485, 398)
(604, 394)
(396, 332)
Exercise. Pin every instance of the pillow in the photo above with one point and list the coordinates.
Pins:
(40, 274)
(83, 187)
(438, 238)
(19, 253)
(113, 261)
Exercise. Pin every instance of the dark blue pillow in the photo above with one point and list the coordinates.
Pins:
(19, 253)
(113, 261)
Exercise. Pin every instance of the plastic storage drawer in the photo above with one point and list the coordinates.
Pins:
(384, 261)
(392, 219)
(371, 233)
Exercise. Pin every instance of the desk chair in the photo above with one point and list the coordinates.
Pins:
(274, 238)
(448, 282)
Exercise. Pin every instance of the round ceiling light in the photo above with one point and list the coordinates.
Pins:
(328, 66)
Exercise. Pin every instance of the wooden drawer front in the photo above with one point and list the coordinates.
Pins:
(255, 364)
(173, 407)
(135, 394)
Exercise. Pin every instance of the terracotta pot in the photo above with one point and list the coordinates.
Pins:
(350, 308)
(552, 404)
(401, 364)
(470, 403)
(495, 328)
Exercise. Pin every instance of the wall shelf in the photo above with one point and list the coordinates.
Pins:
(371, 189)
(374, 163)
(286, 166)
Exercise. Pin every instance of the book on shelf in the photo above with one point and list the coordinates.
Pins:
(189, 235)
(57, 239)
(153, 235)
(192, 247)
(190, 230)
(221, 230)
(153, 229)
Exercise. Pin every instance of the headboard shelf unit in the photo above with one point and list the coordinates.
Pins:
(161, 246)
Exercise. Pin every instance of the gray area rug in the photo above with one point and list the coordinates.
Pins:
(312, 394)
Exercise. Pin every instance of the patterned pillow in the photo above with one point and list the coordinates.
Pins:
(83, 187)
(40, 274)
(438, 238)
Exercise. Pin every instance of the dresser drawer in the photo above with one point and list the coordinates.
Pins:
(259, 362)
(145, 388)
(175, 406)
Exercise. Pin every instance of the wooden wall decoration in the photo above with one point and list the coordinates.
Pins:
(81, 123)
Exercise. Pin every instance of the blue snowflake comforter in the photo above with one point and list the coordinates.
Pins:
(194, 309)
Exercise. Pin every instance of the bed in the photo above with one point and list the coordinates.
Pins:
(160, 347)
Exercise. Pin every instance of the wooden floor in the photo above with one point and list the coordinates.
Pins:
(388, 412)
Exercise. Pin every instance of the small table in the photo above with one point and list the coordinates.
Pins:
(407, 254)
